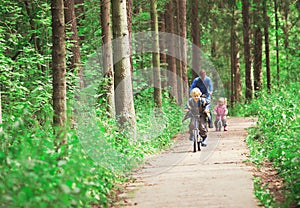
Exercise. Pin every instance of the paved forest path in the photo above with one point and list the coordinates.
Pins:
(218, 176)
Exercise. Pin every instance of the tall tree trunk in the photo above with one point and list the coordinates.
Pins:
(213, 45)
(237, 80)
(286, 27)
(236, 84)
(247, 49)
(107, 56)
(178, 52)
(29, 6)
(257, 63)
(125, 112)
(171, 73)
(79, 13)
(233, 58)
(129, 22)
(59, 68)
(213, 52)
(162, 46)
(183, 45)
(277, 41)
(195, 39)
(155, 55)
(71, 26)
(267, 45)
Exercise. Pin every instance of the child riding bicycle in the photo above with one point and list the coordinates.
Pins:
(197, 108)
(221, 112)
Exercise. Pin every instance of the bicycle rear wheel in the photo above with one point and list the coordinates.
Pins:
(196, 139)
(219, 125)
(199, 146)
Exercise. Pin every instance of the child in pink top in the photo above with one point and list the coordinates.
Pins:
(221, 111)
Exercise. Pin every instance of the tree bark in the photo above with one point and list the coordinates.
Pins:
(79, 13)
(247, 49)
(125, 112)
(286, 27)
(163, 55)
(267, 45)
(236, 84)
(59, 68)
(213, 52)
(237, 80)
(195, 30)
(79, 9)
(129, 22)
(171, 72)
(232, 58)
(257, 63)
(183, 46)
(178, 52)
(37, 42)
(277, 41)
(107, 55)
(235, 52)
(155, 55)
(71, 25)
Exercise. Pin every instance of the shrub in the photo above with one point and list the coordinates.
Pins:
(277, 134)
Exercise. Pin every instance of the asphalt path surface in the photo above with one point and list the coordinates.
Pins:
(217, 176)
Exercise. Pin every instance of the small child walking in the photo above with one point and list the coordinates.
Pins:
(221, 112)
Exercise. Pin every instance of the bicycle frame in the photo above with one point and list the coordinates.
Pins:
(219, 123)
(197, 137)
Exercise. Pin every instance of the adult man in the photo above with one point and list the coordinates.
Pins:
(197, 82)
(204, 83)
(207, 82)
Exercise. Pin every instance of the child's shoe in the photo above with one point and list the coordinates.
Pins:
(225, 128)
(203, 143)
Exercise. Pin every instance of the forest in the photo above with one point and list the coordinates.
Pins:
(90, 88)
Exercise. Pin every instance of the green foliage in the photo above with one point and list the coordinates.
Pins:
(89, 29)
(277, 134)
(263, 194)
(34, 174)
(151, 120)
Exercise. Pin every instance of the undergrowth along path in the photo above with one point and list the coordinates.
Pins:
(217, 176)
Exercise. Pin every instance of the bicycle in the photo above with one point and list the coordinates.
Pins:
(198, 139)
(196, 132)
(219, 123)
